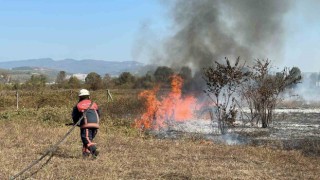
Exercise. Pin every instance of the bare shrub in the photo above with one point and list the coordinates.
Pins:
(256, 87)
(223, 83)
(262, 91)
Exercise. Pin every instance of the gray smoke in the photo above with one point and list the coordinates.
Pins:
(209, 30)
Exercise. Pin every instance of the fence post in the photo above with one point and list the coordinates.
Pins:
(17, 96)
(109, 96)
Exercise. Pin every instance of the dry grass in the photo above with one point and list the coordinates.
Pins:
(298, 103)
(126, 154)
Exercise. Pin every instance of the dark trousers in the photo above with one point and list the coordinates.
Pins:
(87, 136)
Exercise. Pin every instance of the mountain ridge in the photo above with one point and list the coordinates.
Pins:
(77, 66)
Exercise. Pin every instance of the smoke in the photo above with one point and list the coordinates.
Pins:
(308, 89)
(209, 30)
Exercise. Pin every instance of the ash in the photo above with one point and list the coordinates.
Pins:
(291, 129)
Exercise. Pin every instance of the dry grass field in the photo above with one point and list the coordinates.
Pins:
(128, 154)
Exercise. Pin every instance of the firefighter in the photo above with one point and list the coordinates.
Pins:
(89, 125)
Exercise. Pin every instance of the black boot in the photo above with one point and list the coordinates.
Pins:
(94, 151)
(85, 152)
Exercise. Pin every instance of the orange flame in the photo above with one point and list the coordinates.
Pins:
(172, 107)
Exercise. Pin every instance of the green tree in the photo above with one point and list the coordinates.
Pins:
(16, 85)
(293, 78)
(145, 82)
(163, 74)
(125, 80)
(93, 81)
(126, 77)
(61, 79)
(107, 81)
(36, 81)
(74, 82)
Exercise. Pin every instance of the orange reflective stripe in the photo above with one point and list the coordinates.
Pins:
(84, 104)
(91, 144)
(90, 125)
(84, 149)
(87, 137)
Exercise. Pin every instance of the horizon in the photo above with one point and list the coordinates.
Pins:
(48, 58)
(144, 64)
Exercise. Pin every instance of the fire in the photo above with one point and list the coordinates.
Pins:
(170, 108)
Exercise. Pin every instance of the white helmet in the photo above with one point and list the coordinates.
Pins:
(84, 92)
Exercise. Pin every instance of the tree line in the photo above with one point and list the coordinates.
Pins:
(94, 81)
(230, 86)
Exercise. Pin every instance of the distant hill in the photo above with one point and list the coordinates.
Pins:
(22, 74)
(75, 66)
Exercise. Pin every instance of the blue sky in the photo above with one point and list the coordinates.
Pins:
(302, 42)
(113, 30)
(78, 29)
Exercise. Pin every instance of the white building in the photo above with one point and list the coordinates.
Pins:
(79, 76)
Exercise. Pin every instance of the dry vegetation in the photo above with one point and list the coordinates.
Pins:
(128, 154)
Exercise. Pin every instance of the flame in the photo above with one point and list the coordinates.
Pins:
(152, 106)
(170, 108)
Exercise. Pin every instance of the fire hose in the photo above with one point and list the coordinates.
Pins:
(49, 151)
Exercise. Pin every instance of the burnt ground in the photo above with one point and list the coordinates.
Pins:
(293, 130)
(290, 130)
